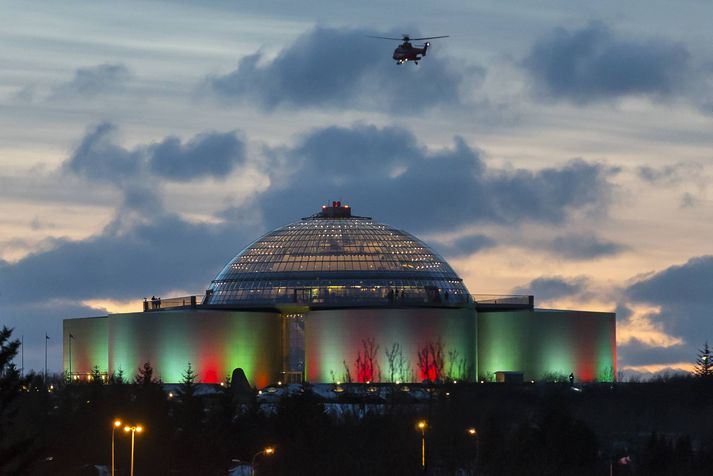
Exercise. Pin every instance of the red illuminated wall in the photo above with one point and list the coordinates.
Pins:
(336, 337)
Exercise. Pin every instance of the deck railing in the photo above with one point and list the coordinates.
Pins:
(483, 301)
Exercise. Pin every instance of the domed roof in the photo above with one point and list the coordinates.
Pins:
(334, 258)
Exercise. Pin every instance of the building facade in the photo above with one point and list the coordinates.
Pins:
(336, 297)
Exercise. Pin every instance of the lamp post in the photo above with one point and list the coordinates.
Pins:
(117, 424)
(133, 429)
(422, 425)
(268, 450)
(473, 433)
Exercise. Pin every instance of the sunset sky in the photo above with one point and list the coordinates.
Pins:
(561, 148)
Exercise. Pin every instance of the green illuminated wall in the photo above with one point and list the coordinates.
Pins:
(89, 344)
(543, 342)
(214, 342)
(333, 337)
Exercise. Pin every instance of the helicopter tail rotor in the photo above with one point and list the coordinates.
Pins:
(425, 47)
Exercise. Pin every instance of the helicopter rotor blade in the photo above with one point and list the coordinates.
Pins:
(384, 38)
(430, 38)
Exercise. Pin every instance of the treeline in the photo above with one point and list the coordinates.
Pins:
(55, 427)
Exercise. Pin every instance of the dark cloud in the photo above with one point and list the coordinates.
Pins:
(467, 246)
(593, 63)
(684, 294)
(671, 174)
(98, 158)
(387, 173)
(679, 175)
(339, 68)
(31, 319)
(210, 154)
(128, 260)
(637, 353)
(546, 288)
(584, 246)
(96, 80)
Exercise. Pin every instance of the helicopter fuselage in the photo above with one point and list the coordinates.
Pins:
(407, 52)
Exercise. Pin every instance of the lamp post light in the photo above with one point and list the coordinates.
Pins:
(473, 433)
(133, 429)
(422, 425)
(268, 451)
(117, 424)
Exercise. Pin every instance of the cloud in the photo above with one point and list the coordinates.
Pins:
(31, 319)
(127, 260)
(467, 245)
(387, 172)
(681, 175)
(683, 295)
(584, 246)
(98, 158)
(95, 80)
(593, 63)
(672, 174)
(210, 154)
(340, 68)
(548, 288)
(637, 353)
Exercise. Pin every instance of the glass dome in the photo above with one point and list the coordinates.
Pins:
(336, 259)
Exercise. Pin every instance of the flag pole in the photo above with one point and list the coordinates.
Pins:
(46, 339)
(70, 355)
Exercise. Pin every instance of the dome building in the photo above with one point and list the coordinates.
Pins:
(338, 297)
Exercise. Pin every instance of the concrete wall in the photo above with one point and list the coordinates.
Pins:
(89, 346)
(336, 337)
(538, 343)
(214, 342)
(546, 343)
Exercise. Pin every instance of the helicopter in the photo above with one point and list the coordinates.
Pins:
(406, 51)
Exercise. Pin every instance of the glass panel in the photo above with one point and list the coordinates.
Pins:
(350, 259)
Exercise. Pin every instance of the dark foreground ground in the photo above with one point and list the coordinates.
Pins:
(663, 427)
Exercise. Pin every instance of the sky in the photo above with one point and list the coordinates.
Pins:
(555, 148)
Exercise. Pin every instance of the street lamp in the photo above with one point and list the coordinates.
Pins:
(422, 425)
(268, 450)
(133, 429)
(117, 424)
(473, 433)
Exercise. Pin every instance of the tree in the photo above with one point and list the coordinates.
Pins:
(10, 380)
(190, 408)
(366, 364)
(144, 376)
(10, 383)
(431, 361)
(704, 363)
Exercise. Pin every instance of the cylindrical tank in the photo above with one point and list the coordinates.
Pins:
(214, 342)
(404, 344)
